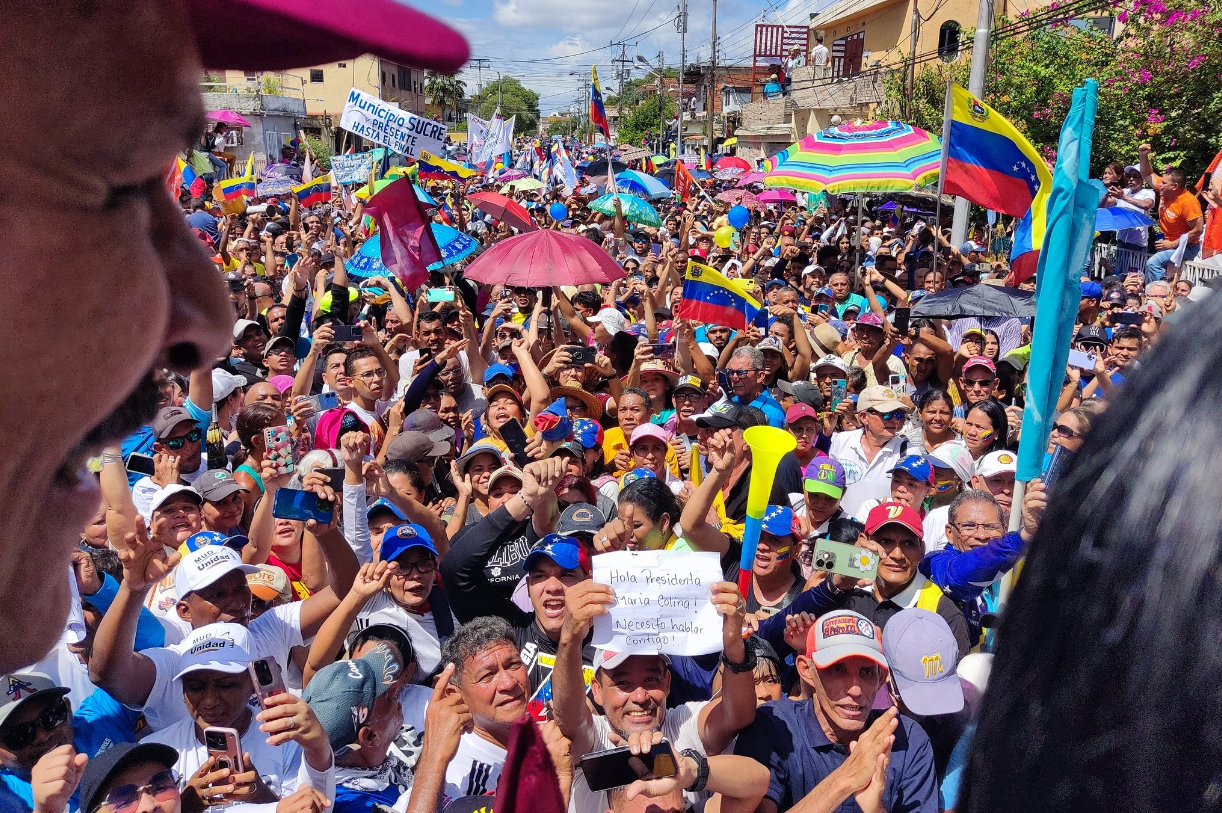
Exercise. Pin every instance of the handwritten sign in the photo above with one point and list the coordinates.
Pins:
(384, 123)
(661, 602)
(275, 186)
(352, 168)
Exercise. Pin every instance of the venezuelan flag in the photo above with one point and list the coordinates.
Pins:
(988, 161)
(712, 298)
(315, 192)
(243, 186)
(435, 168)
(1028, 239)
(598, 115)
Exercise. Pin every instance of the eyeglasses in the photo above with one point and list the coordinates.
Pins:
(741, 373)
(126, 798)
(687, 395)
(893, 415)
(1065, 432)
(970, 528)
(422, 567)
(371, 375)
(177, 443)
(22, 735)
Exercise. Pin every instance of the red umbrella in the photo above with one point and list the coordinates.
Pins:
(503, 208)
(542, 259)
(732, 162)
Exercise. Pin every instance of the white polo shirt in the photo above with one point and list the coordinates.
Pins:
(865, 479)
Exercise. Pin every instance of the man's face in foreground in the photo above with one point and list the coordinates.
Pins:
(86, 215)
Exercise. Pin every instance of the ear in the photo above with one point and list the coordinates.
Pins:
(184, 611)
(806, 671)
(596, 690)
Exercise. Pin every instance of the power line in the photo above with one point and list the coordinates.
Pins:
(550, 59)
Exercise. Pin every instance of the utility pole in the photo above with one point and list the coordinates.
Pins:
(712, 101)
(622, 72)
(916, 27)
(975, 86)
(681, 24)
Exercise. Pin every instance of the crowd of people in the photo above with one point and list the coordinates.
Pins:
(350, 558)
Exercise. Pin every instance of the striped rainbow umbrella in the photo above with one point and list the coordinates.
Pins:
(879, 156)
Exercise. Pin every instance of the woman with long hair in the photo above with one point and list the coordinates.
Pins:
(931, 424)
(985, 428)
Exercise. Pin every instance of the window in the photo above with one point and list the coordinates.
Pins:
(251, 76)
(948, 41)
(315, 75)
(392, 81)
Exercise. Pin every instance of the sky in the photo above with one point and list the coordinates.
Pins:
(540, 42)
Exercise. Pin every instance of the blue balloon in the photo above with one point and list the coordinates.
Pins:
(558, 211)
(738, 216)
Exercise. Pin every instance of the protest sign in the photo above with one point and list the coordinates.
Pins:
(352, 168)
(275, 186)
(385, 124)
(662, 602)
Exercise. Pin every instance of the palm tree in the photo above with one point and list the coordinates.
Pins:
(445, 91)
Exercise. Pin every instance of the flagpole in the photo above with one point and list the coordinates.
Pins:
(937, 214)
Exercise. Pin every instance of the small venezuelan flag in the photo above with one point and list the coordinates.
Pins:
(712, 298)
(314, 192)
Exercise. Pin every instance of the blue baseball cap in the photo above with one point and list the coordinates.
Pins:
(636, 474)
(565, 551)
(1091, 290)
(823, 292)
(775, 283)
(498, 369)
(778, 520)
(404, 537)
(920, 468)
(203, 539)
(383, 504)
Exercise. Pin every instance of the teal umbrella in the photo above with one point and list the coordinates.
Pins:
(635, 210)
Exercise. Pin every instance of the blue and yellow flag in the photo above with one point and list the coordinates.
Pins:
(712, 298)
(598, 115)
(314, 192)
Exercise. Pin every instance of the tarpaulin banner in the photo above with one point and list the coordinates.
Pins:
(382, 123)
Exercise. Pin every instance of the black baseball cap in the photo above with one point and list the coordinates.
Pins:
(579, 518)
(1091, 334)
(115, 759)
(802, 391)
(723, 415)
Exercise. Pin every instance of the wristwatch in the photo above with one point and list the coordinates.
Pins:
(748, 664)
(702, 769)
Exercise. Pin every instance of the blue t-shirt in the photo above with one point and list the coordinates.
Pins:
(787, 739)
(770, 406)
(99, 724)
(205, 221)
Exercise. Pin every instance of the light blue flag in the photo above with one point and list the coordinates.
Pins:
(1071, 227)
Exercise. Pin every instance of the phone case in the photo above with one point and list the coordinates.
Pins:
(839, 390)
(266, 675)
(280, 448)
(846, 560)
(227, 746)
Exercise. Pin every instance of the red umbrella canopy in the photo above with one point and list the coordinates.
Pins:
(503, 208)
(542, 259)
(732, 162)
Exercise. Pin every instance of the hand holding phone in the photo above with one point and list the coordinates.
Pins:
(226, 746)
(267, 678)
(617, 767)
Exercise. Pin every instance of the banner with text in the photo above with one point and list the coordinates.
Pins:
(662, 602)
(352, 168)
(383, 123)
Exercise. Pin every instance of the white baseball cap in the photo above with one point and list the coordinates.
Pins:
(832, 361)
(997, 463)
(163, 494)
(611, 319)
(217, 648)
(953, 455)
(607, 659)
(224, 383)
(202, 567)
(239, 327)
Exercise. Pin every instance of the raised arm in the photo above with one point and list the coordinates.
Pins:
(694, 520)
(734, 709)
(582, 602)
(371, 579)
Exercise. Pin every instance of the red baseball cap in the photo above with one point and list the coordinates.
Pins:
(279, 34)
(894, 513)
(980, 361)
(799, 411)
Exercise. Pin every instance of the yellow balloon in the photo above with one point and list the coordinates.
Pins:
(724, 236)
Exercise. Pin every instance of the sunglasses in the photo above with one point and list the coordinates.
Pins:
(126, 798)
(893, 415)
(1065, 432)
(741, 373)
(22, 735)
(977, 382)
(177, 443)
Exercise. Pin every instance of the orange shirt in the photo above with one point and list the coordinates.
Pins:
(1175, 215)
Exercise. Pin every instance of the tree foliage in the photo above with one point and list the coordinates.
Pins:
(445, 91)
(644, 120)
(1158, 82)
(560, 127)
(515, 100)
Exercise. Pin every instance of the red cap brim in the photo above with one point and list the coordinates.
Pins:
(268, 35)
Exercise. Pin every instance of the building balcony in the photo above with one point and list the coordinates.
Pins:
(815, 89)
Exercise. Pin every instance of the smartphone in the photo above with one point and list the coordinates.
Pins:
(846, 560)
(655, 249)
(281, 450)
(293, 503)
(612, 768)
(839, 390)
(822, 307)
(322, 402)
(266, 675)
(900, 322)
(663, 351)
(515, 439)
(895, 382)
(140, 464)
(581, 355)
(224, 744)
(505, 293)
(347, 333)
(439, 295)
(1055, 466)
(1081, 360)
(335, 478)
(1122, 318)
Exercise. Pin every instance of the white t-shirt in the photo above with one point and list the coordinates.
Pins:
(272, 634)
(1139, 234)
(474, 771)
(680, 727)
(935, 529)
(865, 480)
(281, 767)
(421, 630)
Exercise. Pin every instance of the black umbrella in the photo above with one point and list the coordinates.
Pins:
(667, 175)
(598, 167)
(976, 300)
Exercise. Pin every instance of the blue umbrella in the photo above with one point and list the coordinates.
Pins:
(367, 261)
(454, 245)
(423, 196)
(641, 185)
(1114, 218)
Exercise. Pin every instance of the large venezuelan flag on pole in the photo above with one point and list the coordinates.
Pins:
(598, 115)
(712, 298)
(436, 168)
(988, 161)
(315, 192)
